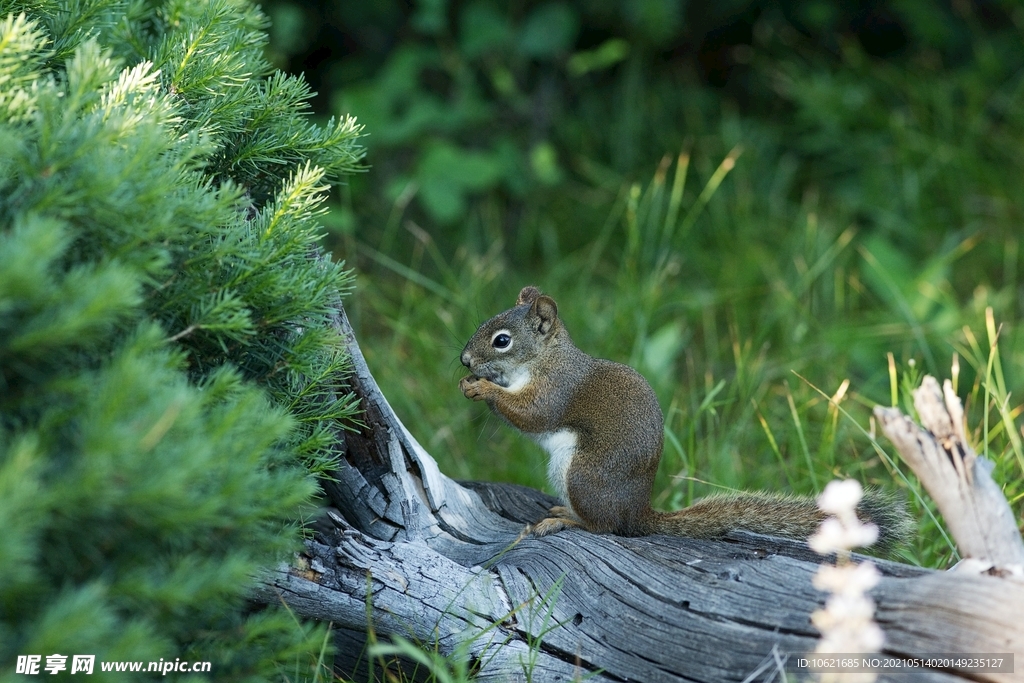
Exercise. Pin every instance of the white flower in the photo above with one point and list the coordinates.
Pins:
(849, 579)
(840, 498)
(843, 614)
(860, 535)
(829, 538)
(843, 531)
(847, 621)
(851, 638)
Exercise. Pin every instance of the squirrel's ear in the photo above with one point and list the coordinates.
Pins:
(527, 295)
(546, 310)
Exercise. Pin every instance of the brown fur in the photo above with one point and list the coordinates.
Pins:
(618, 425)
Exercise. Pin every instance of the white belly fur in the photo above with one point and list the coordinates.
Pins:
(561, 446)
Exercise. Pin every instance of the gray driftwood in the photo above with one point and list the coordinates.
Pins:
(410, 552)
(960, 482)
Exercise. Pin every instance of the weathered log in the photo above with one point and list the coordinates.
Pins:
(960, 482)
(409, 552)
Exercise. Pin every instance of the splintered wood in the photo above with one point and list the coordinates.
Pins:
(956, 477)
(406, 551)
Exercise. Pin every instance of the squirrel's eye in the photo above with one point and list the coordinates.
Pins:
(501, 341)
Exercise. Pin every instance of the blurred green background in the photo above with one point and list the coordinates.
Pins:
(754, 203)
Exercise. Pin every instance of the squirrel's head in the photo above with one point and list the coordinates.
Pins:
(504, 348)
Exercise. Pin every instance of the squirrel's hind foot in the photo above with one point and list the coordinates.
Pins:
(548, 526)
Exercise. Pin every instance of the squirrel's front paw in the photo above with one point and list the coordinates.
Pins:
(474, 387)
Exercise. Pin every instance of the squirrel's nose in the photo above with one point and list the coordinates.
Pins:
(466, 358)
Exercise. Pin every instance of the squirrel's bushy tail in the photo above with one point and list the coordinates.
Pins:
(887, 511)
(776, 514)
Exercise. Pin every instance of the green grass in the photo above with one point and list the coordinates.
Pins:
(776, 257)
(797, 256)
(765, 334)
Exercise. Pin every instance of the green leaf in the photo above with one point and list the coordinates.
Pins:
(447, 174)
(550, 30)
(430, 17)
(483, 29)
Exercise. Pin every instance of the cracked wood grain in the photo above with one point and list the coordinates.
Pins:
(410, 552)
(958, 479)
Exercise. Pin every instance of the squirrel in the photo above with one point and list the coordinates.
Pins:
(602, 427)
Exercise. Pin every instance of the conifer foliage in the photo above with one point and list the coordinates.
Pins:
(163, 347)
